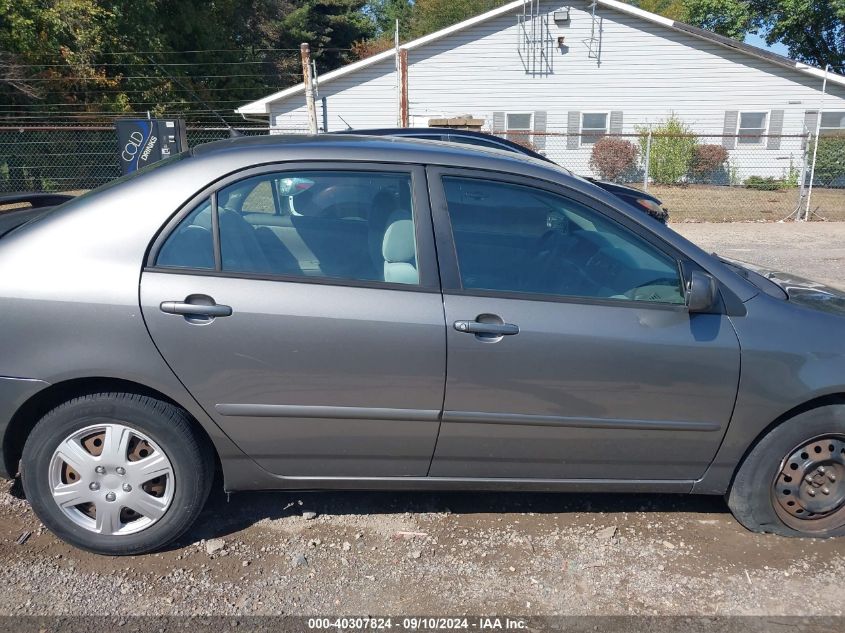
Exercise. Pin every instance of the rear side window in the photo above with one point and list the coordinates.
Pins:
(191, 245)
(322, 224)
(518, 239)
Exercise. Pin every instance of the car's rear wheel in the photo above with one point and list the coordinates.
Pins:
(116, 473)
(793, 481)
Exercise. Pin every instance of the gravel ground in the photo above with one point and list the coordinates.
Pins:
(450, 554)
(811, 249)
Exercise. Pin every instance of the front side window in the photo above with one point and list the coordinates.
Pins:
(326, 224)
(593, 127)
(520, 124)
(832, 123)
(752, 127)
(517, 239)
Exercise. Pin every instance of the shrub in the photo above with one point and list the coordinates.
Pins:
(523, 140)
(672, 147)
(830, 159)
(707, 160)
(613, 157)
(764, 184)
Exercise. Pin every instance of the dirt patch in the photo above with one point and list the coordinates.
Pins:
(532, 554)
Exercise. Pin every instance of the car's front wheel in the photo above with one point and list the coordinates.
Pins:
(116, 473)
(793, 481)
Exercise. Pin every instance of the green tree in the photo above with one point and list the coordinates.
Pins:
(433, 15)
(385, 13)
(674, 9)
(731, 18)
(812, 30)
(78, 56)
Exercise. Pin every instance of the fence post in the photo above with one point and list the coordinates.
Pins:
(647, 159)
(802, 179)
(815, 138)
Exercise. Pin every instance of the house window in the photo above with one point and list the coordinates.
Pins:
(521, 123)
(593, 127)
(832, 123)
(752, 127)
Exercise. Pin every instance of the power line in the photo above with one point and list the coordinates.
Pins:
(132, 77)
(264, 89)
(192, 107)
(207, 50)
(123, 65)
(100, 104)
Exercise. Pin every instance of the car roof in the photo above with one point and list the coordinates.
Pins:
(330, 147)
(408, 131)
(433, 131)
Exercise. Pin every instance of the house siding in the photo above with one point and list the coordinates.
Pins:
(645, 72)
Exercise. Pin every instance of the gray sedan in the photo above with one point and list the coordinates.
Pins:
(373, 313)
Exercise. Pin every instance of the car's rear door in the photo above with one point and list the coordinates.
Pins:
(571, 354)
(310, 327)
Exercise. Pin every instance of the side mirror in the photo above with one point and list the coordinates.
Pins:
(702, 293)
(289, 187)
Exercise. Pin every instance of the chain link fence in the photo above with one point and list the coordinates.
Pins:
(698, 177)
(58, 158)
(713, 177)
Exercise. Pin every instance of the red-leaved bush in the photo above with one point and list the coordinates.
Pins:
(707, 159)
(612, 157)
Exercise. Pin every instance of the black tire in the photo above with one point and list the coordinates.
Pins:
(754, 494)
(168, 426)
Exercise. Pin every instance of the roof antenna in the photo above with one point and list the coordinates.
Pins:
(348, 127)
(233, 133)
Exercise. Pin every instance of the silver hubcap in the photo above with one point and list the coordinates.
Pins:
(111, 479)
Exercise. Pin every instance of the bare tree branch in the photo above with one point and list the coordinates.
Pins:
(13, 75)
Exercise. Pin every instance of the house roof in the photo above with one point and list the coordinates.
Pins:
(261, 106)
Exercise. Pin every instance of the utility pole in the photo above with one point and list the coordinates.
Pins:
(308, 80)
(398, 75)
(403, 87)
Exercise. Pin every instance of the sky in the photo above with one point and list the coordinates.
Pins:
(756, 40)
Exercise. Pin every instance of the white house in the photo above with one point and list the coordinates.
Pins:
(583, 69)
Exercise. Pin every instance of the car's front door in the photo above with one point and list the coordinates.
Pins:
(301, 307)
(571, 354)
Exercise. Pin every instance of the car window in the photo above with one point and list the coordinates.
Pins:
(332, 224)
(191, 244)
(514, 238)
(260, 199)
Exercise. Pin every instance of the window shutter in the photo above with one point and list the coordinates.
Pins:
(540, 127)
(811, 120)
(573, 127)
(731, 121)
(498, 122)
(775, 129)
(616, 122)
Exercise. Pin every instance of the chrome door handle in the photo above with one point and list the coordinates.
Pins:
(195, 309)
(496, 329)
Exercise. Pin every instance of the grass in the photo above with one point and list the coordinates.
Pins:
(714, 203)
